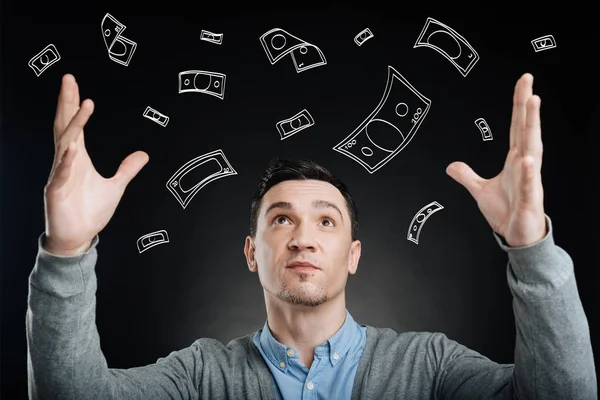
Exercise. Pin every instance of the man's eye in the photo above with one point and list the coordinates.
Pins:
(280, 219)
(328, 221)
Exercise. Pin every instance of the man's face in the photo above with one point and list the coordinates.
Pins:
(308, 221)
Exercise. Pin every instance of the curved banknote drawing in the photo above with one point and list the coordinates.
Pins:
(295, 124)
(363, 36)
(215, 38)
(390, 127)
(486, 132)
(278, 43)
(543, 43)
(120, 49)
(448, 43)
(212, 83)
(205, 169)
(44, 59)
(152, 239)
(414, 229)
(156, 116)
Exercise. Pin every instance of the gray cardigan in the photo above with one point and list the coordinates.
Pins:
(553, 355)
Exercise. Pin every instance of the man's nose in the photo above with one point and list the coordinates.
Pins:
(302, 239)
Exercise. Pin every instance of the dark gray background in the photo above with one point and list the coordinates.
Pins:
(198, 285)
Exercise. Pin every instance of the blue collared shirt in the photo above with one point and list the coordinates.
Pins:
(331, 375)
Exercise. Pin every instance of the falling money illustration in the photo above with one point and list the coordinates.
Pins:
(211, 83)
(152, 239)
(205, 169)
(44, 59)
(295, 124)
(278, 43)
(543, 43)
(414, 229)
(363, 36)
(390, 127)
(215, 38)
(120, 49)
(435, 35)
(486, 132)
(156, 116)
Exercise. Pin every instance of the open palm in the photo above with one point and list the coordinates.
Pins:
(79, 202)
(513, 201)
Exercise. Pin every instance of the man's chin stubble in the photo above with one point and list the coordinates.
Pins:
(302, 297)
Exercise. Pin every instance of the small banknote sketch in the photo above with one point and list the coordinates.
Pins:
(211, 83)
(44, 59)
(390, 127)
(363, 36)
(279, 43)
(156, 116)
(486, 132)
(197, 173)
(295, 124)
(207, 36)
(448, 43)
(543, 43)
(120, 49)
(414, 230)
(152, 239)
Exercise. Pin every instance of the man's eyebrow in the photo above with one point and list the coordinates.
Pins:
(316, 204)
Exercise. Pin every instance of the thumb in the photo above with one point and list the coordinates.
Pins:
(463, 174)
(130, 167)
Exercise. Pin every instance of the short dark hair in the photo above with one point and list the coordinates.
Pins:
(280, 170)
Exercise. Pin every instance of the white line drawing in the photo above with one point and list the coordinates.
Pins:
(220, 168)
(44, 59)
(152, 239)
(543, 43)
(363, 36)
(156, 116)
(278, 43)
(207, 36)
(414, 229)
(463, 56)
(295, 124)
(120, 49)
(486, 132)
(212, 83)
(390, 127)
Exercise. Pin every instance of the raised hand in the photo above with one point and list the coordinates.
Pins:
(513, 201)
(78, 201)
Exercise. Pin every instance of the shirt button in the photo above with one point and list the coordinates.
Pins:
(282, 364)
(335, 356)
(310, 386)
(290, 352)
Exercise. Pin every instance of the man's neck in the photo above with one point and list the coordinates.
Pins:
(304, 328)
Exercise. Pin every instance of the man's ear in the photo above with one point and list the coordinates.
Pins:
(355, 249)
(249, 251)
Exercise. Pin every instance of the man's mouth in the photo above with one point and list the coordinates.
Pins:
(303, 266)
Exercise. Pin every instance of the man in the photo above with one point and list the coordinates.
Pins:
(302, 246)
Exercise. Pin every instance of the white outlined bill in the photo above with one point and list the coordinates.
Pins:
(419, 219)
(278, 43)
(219, 168)
(398, 115)
(120, 49)
(44, 59)
(463, 56)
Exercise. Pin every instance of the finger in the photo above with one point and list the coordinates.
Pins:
(463, 174)
(75, 127)
(523, 90)
(130, 167)
(532, 137)
(68, 104)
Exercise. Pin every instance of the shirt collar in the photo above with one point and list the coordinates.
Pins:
(334, 348)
